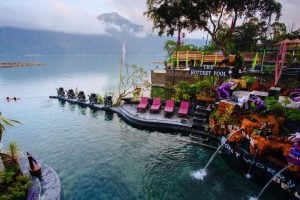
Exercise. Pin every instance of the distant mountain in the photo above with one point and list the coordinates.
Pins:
(15, 41)
(120, 24)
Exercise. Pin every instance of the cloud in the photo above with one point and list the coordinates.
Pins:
(80, 16)
(53, 15)
(290, 13)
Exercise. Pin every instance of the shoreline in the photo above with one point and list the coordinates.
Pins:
(19, 64)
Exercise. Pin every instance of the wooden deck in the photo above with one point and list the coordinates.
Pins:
(131, 110)
(152, 121)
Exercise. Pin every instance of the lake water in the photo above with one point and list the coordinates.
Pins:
(99, 156)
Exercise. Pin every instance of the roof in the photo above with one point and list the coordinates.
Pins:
(288, 41)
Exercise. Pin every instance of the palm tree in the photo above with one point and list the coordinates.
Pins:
(13, 150)
(5, 122)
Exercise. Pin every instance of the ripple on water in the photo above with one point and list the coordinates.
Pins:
(99, 159)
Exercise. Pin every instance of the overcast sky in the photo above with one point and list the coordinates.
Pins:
(79, 16)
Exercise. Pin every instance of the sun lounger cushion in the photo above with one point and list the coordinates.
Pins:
(184, 108)
(156, 104)
(143, 103)
(169, 106)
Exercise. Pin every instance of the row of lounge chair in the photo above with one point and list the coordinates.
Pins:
(168, 110)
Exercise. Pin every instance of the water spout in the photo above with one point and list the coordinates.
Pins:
(248, 175)
(201, 173)
(268, 183)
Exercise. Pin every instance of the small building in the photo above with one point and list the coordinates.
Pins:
(183, 59)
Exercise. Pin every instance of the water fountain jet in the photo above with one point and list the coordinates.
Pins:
(201, 173)
(248, 175)
(268, 183)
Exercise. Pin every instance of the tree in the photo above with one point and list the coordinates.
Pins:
(5, 122)
(279, 31)
(133, 80)
(293, 35)
(217, 17)
(247, 35)
(168, 16)
(170, 46)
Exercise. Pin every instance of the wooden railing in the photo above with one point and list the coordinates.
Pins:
(197, 56)
(192, 56)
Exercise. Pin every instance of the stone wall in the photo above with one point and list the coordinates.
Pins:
(170, 77)
(158, 78)
(174, 76)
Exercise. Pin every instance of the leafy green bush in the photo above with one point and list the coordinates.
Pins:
(13, 150)
(162, 92)
(206, 87)
(183, 90)
(278, 109)
(223, 118)
(292, 113)
(250, 80)
(274, 106)
(100, 99)
(8, 176)
(14, 187)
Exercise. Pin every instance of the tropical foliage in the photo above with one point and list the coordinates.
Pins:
(100, 99)
(249, 80)
(134, 78)
(274, 106)
(170, 46)
(217, 17)
(206, 87)
(278, 109)
(13, 186)
(13, 150)
(185, 91)
(5, 122)
(164, 93)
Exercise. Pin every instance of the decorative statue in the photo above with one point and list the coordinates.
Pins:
(35, 168)
(259, 103)
(295, 139)
(224, 90)
(295, 96)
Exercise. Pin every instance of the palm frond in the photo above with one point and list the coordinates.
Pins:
(8, 121)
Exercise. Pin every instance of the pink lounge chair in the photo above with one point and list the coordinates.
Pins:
(155, 105)
(142, 105)
(169, 109)
(183, 109)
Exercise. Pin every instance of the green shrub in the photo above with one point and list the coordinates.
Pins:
(100, 99)
(292, 113)
(13, 150)
(250, 80)
(183, 90)
(274, 106)
(15, 188)
(163, 93)
(8, 176)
